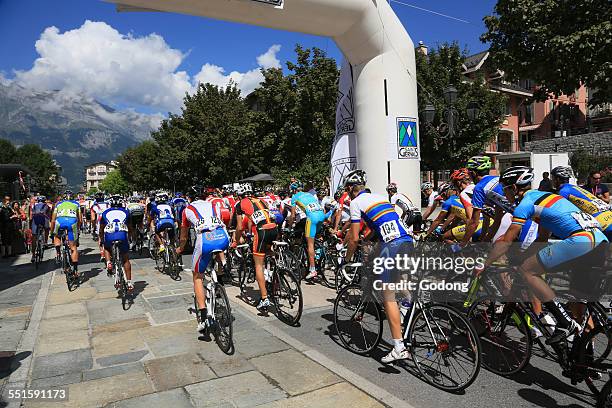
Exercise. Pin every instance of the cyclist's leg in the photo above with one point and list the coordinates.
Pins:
(56, 241)
(258, 260)
(127, 266)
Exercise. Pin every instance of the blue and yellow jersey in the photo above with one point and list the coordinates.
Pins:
(552, 212)
(454, 206)
(589, 204)
(380, 216)
(306, 202)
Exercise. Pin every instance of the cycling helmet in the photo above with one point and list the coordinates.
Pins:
(355, 177)
(520, 176)
(116, 201)
(161, 197)
(243, 189)
(41, 199)
(562, 172)
(445, 187)
(178, 194)
(99, 196)
(426, 186)
(392, 188)
(479, 163)
(68, 195)
(296, 185)
(134, 199)
(460, 175)
(268, 189)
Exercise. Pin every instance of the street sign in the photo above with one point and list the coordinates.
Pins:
(275, 3)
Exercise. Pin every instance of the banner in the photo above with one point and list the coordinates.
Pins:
(344, 149)
(403, 138)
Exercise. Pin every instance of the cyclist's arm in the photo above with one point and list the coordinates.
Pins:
(472, 224)
(437, 221)
(448, 221)
(291, 217)
(499, 214)
(338, 217)
(429, 210)
(502, 246)
(352, 239)
(543, 234)
(238, 231)
(101, 229)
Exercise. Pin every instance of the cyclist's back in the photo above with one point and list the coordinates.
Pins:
(589, 204)
(380, 216)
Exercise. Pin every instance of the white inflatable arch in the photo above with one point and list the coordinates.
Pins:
(375, 43)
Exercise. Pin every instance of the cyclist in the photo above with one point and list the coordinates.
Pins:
(264, 230)
(462, 181)
(343, 212)
(478, 168)
(67, 215)
(582, 242)
(451, 210)
(210, 235)
(137, 212)
(222, 208)
(40, 220)
(427, 190)
(98, 207)
(583, 199)
(409, 213)
(388, 228)
(162, 218)
(115, 225)
(178, 204)
(310, 225)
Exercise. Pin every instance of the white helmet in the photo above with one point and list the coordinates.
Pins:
(355, 177)
(426, 186)
(243, 188)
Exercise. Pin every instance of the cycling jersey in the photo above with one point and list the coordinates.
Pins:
(163, 216)
(210, 232)
(496, 200)
(179, 204)
(66, 216)
(136, 209)
(579, 231)
(487, 183)
(221, 209)
(116, 222)
(315, 216)
(589, 204)
(402, 202)
(380, 216)
(454, 206)
(264, 226)
(40, 214)
(67, 208)
(466, 196)
(344, 204)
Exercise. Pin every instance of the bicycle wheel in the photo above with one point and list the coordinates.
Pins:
(67, 269)
(604, 399)
(505, 336)
(445, 347)
(326, 267)
(286, 295)
(357, 319)
(173, 265)
(233, 266)
(598, 343)
(223, 332)
(246, 270)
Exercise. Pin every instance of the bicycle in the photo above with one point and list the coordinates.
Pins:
(40, 247)
(72, 279)
(441, 341)
(120, 282)
(219, 310)
(168, 261)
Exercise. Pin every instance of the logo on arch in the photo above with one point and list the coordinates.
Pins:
(407, 138)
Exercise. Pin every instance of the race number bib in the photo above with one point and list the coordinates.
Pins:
(207, 224)
(586, 221)
(390, 231)
(258, 216)
(66, 213)
(313, 207)
(601, 205)
(116, 227)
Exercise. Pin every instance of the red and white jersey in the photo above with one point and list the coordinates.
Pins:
(230, 201)
(466, 196)
(202, 215)
(100, 207)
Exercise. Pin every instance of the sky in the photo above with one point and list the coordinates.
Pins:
(147, 61)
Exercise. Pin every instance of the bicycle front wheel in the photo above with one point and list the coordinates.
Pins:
(444, 347)
(286, 295)
(223, 317)
(357, 319)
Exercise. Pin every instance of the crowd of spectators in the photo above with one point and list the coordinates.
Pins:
(14, 226)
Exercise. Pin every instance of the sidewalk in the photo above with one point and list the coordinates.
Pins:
(150, 355)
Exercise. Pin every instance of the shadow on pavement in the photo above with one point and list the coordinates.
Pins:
(9, 362)
(539, 399)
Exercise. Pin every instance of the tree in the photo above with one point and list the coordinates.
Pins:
(141, 167)
(560, 44)
(114, 183)
(584, 162)
(92, 191)
(436, 71)
(8, 152)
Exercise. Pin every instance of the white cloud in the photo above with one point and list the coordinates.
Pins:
(98, 61)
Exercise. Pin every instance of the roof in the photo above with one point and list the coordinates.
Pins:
(474, 62)
(108, 163)
(259, 177)
(512, 88)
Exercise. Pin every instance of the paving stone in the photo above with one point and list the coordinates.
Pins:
(184, 343)
(153, 333)
(122, 358)
(106, 295)
(337, 395)
(177, 398)
(56, 381)
(63, 324)
(170, 302)
(58, 297)
(62, 341)
(176, 371)
(178, 314)
(62, 363)
(70, 309)
(113, 343)
(105, 311)
(230, 365)
(121, 326)
(13, 324)
(18, 311)
(240, 390)
(258, 343)
(282, 368)
(111, 371)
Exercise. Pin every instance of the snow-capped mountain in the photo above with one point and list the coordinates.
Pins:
(77, 130)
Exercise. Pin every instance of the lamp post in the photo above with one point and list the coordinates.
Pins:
(448, 124)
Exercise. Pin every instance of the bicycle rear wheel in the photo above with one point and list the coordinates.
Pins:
(326, 267)
(357, 319)
(246, 270)
(445, 347)
(223, 317)
(505, 336)
(286, 295)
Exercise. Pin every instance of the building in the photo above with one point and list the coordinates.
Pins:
(96, 172)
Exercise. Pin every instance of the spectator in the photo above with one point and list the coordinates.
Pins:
(595, 187)
(18, 217)
(546, 183)
(7, 228)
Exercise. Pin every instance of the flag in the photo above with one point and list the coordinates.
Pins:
(344, 148)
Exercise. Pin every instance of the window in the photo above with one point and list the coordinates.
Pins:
(508, 107)
(530, 113)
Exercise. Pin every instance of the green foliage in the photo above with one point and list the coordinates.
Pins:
(558, 43)
(441, 68)
(92, 191)
(44, 171)
(114, 183)
(285, 127)
(584, 162)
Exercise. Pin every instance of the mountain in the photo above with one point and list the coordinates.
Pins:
(77, 130)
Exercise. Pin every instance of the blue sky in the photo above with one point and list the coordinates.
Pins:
(234, 47)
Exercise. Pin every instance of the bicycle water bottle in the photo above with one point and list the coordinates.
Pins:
(405, 306)
(209, 295)
(267, 274)
(318, 252)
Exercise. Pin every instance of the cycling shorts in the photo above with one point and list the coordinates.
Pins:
(206, 242)
(400, 246)
(69, 224)
(136, 220)
(262, 237)
(563, 254)
(459, 232)
(313, 225)
(163, 224)
(124, 246)
(39, 221)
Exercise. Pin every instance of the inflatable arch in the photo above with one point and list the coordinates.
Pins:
(382, 56)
